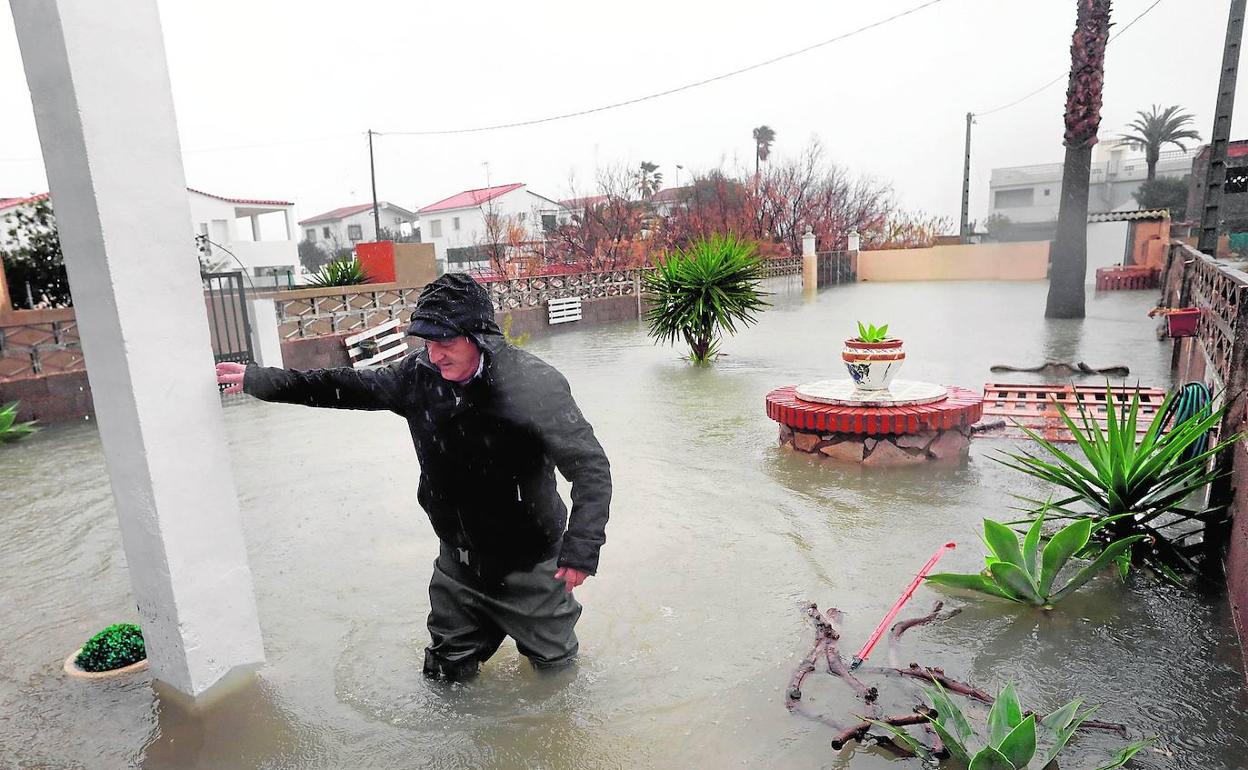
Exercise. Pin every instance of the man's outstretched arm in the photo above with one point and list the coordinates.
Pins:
(338, 388)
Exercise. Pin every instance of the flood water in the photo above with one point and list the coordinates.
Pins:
(690, 631)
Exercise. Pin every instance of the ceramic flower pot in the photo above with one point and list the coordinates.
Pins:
(1182, 322)
(71, 667)
(873, 365)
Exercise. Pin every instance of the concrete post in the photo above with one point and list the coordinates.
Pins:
(6, 302)
(255, 227)
(290, 224)
(810, 262)
(100, 86)
(266, 341)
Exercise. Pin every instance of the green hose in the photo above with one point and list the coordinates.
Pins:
(1192, 399)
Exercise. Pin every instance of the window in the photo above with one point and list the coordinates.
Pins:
(310, 233)
(1014, 199)
(520, 216)
(325, 232)
(355, 233)
(435, 228)
(1046, 192)
(455, 223)
(548, 223)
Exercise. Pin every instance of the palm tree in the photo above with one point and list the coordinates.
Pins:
(649, 179)
(1157, 128)
(1069, 263)
(763, 137)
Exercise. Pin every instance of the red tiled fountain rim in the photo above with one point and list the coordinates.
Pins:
(961, 409)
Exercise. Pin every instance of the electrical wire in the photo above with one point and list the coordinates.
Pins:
(1060, 77)
(670, 91)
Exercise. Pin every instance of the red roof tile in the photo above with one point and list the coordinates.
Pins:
(587, 201)
(8, 203)
(243, 201)
(339, 213)
(470, 198)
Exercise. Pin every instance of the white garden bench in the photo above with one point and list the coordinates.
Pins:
(377, 345)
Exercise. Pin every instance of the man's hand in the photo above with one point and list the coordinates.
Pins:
(572, 577)
(231, 375)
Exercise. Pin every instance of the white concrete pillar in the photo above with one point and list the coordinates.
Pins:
(266, 341)
(290, 224)
(99, 82)
(255, 227)
(810, 262)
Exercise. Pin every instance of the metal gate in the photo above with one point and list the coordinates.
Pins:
(835, 268)
(228, 322)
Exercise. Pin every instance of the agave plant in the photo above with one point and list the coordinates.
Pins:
(870, 333)
(703, 291)
(1027, 573)
(1132, 485)
(10, 428)
(340, 272)
(1015, 740)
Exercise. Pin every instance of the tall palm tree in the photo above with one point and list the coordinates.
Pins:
(649, 179)
(763, 137)
(1152, 130)
(1069, 263)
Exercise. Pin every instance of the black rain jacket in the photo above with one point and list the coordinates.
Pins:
(488, 450)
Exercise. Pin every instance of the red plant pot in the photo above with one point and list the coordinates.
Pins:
(1182, 322)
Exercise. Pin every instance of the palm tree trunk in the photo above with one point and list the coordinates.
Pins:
(1151, 157)
(1069, 264)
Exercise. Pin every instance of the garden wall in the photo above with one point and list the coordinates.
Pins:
(1021, 261)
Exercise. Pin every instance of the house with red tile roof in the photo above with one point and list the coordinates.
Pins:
(457, 225)
(349, 225)
(251, 234)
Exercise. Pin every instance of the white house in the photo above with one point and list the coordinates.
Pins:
(456, 226)
(344, 227)
(1032, 194)
(231, 233)
(257, 236)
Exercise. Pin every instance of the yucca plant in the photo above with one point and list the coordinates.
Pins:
(340, 272)
(703, 291)
(1015, 740)
(1131, 485)
(1027, 573)
(870, 333)
(10, 429)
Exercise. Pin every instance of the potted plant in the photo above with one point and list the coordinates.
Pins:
(873, 358)
(1180, 321)
(118, 649)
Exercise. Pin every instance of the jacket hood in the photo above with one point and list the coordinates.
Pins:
(458, 302)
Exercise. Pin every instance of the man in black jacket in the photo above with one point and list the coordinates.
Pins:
(490, 423)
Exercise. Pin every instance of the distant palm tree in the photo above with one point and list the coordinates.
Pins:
(763, 137)
(1069, 261)
(649, 179)
(1152, 130)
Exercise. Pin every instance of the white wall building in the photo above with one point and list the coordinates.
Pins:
(456, 226)
(257, 236)
(258, 233)
(344, 227)
(1032, 194)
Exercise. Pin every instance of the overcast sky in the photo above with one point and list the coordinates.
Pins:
(273, 98)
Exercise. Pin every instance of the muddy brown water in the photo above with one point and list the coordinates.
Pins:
(691, 629)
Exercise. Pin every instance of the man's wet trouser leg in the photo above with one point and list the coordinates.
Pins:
(469, 617)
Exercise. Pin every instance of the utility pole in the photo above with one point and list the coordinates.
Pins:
(372, 172)
(965, 231)
(1215, 172)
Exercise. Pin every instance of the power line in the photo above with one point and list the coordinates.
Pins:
(670, 91)
(1060, 77)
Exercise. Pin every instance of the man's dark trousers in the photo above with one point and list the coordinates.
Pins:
(472, 610)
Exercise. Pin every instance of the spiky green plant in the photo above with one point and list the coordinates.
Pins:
(1027, 573)
(340, 272)
(703, 291)
(870, 333)
(10, 429)
(1015, 740)
(1131, 486)
(115, 647)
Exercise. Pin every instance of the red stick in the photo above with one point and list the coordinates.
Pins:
(905, 597)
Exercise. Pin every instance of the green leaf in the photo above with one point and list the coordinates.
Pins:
(1126, 752)
(990, 759)
(950, 716)
(1068, 541)
(957, 751)
(1020, 745)
(1111, 552)
(1003, 542)
(883, 333)
(1001, 717)
(1031, 544)
(975, 582)
(904, 738)
(1015, 580)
